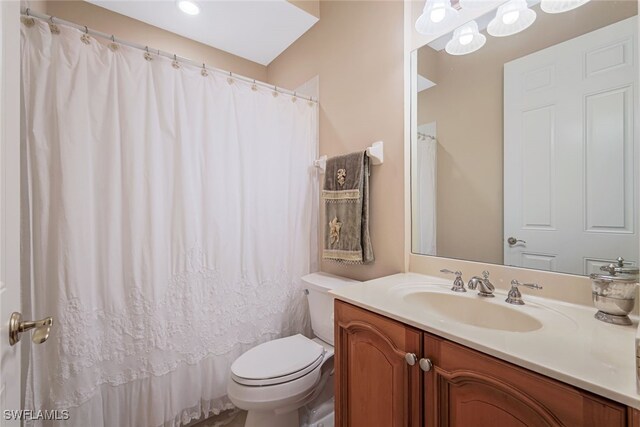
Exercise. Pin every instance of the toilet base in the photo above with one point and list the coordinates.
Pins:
(271, 419)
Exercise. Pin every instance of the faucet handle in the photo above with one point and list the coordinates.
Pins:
(485, 274)
(515, 284)
(458, 273)
(458, 283)
(514, 296)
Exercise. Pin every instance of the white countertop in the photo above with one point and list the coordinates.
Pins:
(572, 346)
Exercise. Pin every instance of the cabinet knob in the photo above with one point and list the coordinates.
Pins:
(426, 365)
(411, 358)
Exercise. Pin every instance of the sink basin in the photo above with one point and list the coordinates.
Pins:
(474, 311)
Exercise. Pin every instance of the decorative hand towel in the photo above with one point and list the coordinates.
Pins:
(346, 206)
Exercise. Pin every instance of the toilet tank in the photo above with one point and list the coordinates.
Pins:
(318, 286)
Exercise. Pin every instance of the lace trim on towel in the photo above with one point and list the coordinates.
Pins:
(342, 255)
(200, 315)
(340, 195)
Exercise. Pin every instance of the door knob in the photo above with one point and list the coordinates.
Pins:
(17, 326)
(411, 358)
(426, 365)
(512, 241)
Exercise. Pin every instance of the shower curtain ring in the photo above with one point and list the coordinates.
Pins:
(53, 27)
(113, 45)
(254, 86)
(147, 55)
(204, 71)
(230, 78)
(85, 37)
(175, 64)
(27, 20)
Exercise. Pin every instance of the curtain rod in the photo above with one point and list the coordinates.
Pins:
(28, 12)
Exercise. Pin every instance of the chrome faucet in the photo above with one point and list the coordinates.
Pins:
(458, 283)
(514, 296)
(484, 286)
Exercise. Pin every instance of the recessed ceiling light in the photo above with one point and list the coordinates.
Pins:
(189, 7)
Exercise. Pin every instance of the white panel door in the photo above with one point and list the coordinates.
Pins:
(10, 374)
(571, 154)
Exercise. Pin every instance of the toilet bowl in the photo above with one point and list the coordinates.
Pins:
(273, 380)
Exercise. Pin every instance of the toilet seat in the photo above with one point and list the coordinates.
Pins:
(278, 361)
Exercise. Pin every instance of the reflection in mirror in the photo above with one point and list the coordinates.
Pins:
(525, 151)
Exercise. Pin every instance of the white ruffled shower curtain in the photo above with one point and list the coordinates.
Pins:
(170, 217)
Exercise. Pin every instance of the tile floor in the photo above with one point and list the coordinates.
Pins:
(232, 418)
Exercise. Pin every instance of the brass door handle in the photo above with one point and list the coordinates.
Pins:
(17, 326)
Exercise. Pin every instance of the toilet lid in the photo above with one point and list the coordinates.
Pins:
(277, 361)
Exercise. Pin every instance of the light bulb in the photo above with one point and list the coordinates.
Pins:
(437, 14)
(189, 7)
(465, 39)
(510, 17)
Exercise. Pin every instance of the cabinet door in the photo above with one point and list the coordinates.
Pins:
(633, 417)
(468, 388)
(375, 385)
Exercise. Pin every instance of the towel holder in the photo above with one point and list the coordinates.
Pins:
(375, 153)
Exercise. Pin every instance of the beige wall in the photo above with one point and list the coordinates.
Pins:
(312, 7)
(356, 49)
(100, 19)
(467, 105)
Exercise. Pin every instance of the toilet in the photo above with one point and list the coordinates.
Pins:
(277, 380)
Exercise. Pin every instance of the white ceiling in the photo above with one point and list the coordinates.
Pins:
(257, 30)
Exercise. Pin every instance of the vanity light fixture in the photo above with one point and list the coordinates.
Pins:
(436, 15)
(466, 39)
(189, 7)
(473, 4)
(559, 6)
(511, 18)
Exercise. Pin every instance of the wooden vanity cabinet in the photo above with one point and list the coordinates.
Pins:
(469, 388)
(377, 387)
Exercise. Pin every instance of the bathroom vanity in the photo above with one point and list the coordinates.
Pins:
(401, 362)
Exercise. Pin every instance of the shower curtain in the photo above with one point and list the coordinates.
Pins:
(425, 223)
(169, 217)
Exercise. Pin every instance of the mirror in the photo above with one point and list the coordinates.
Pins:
(525, 151)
